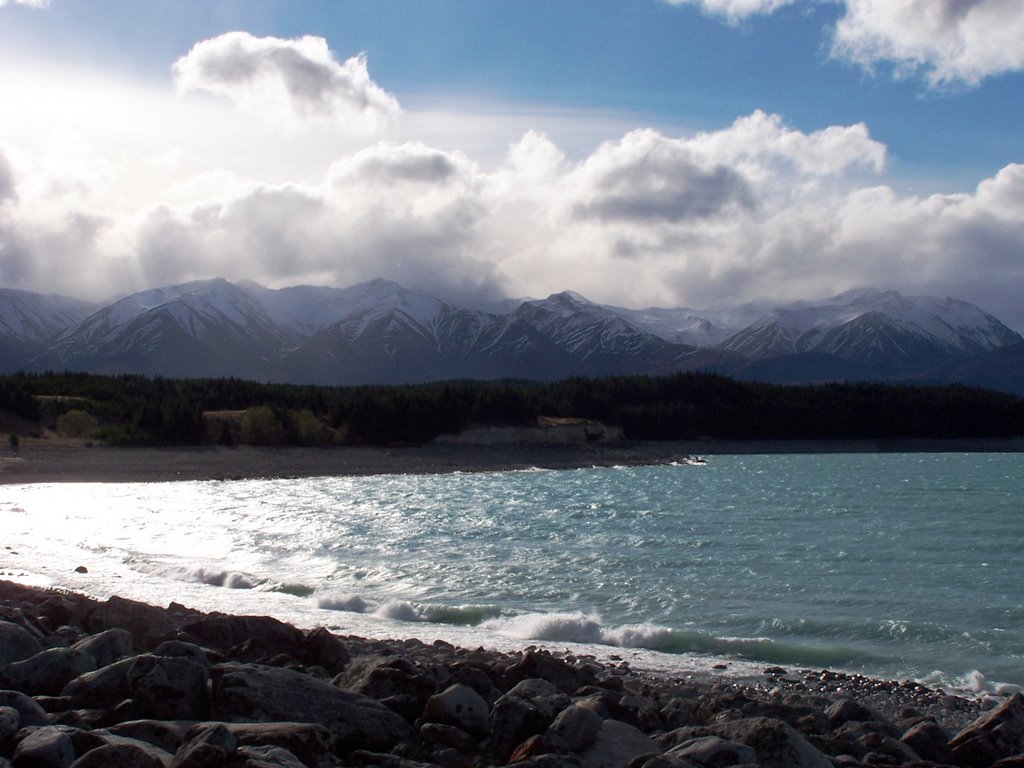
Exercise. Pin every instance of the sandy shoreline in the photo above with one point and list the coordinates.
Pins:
(44, 461)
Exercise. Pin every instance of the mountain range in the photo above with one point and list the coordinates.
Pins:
(381, 333)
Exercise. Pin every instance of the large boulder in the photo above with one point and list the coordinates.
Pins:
(616, 745)
(776, 743)
(713, 752)
(576, 727)
(147, 624)
(107, 647)
(310, 742)
(995, 735)
(461, 706)
(46, 673)
(10, 723)
(16, 643)
(29, 712)
(253, 693)
(169, 687)
(560, 673)
(166, 735)
(247, 638)
(526, 710)
(103, 689)
(120, 756)
(210, 748)
(929, 742)
(45, 748)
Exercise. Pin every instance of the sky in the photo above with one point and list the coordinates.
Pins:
(701, 153)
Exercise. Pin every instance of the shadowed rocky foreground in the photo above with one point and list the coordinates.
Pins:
(120, 684)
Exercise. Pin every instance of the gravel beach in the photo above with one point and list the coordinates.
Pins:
(54, 461)
(85, 682)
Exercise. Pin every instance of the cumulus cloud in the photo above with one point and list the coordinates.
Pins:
(647, 177)
(293, 81)
(949, 41)
(29, 3)
(756, 210)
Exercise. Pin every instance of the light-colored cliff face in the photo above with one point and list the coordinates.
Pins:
(567, 434)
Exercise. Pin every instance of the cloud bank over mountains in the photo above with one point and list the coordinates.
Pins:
(753, 210)
(952, 42)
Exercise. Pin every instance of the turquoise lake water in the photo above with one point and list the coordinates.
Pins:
(894, 565)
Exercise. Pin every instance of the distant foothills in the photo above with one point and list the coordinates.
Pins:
(379, 333)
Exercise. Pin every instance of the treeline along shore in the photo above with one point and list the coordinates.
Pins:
(136, 410)
(87, 683)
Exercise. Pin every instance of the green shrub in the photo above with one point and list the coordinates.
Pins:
(77, 423)
(260, 426)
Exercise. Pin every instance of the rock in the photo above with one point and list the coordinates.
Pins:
(776, 743)
(713, 752)
(477, 679)
(616, 745)
(309, 742)
(248, 692)
(181, 650)
(886, 745)
(103, 689)
(55, 611)
(386, 677)
(46, 673)
(169, 687)
(120, 756)
(565, 677)
(531, 748)
(365, 759)
(439, 734)
(209, 749)
(45, 747)
(147, 624)
(576, 727)
(248, 638)
(844, 710)
(461, 706)
(552, 761)
(680, 712)
(326, 650)
(514, 719)
(166, 735)
(929, 741)
(10, 722)
(269, 757)
(29, 713)
(995, 735)
(106, 647)
(16, 643)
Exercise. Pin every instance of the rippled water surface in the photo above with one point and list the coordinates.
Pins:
(905, 565)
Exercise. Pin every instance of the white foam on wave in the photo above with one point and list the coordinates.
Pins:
(202, 575)
(399, 610)
(346, 603)
(579, 628)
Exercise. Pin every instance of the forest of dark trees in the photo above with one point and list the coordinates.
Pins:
(135, 410)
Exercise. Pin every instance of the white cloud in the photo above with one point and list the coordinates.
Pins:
(950, 40)
(292, 81)
(735, 10)
(29, 3)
